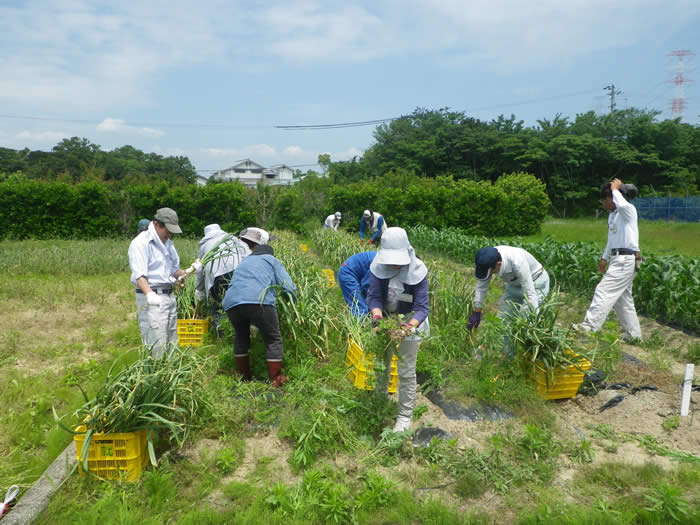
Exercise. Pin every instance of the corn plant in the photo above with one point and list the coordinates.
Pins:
(666, 288)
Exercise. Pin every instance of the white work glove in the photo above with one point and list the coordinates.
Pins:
(199, 295)
(153, 299)
(196, 266)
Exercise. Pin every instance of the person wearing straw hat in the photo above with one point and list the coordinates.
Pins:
(251, 299)
(332, 221)
(213, 278)
(155, 267)
(374, 224)
(399, 285)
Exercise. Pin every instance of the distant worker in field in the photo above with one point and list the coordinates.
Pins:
(527, 282)
(620, 263)
(399, 285)
(155, 266)
(353, 279)
(373, 223)
(251, 299)
(332, 221)
(214, 277)
(142, 225)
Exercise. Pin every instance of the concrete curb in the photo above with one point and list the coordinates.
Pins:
(37, 498)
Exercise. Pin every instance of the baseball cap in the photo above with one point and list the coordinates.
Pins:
(168, 217)
(256, 235)
(485, 259)
(337, 214)
(143, 225)
(366, 213)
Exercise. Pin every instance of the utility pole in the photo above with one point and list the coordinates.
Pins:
(613, 91)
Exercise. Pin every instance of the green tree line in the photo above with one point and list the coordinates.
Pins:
(78, 159)
(571, 157)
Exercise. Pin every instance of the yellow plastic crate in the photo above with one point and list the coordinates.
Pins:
(191, 331)
(112, 456)
(563, 383)
(362, 365)
(330, 276)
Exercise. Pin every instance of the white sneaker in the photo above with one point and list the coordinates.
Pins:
(579, 328)
(402, 424)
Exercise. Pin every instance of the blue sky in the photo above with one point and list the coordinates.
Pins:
(211, 79)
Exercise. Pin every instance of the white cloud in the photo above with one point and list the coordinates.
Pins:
(96, 55)
(41, 137)
(115, 125)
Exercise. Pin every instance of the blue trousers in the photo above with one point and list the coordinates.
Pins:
(352, 292)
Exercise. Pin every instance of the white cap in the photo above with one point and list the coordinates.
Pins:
(394, 249)
(366, 213)
(337, 214)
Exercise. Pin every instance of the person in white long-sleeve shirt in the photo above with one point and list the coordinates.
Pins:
(527, 282)
(619, 263)
(332, 221)
(213, 279)
(155, 266)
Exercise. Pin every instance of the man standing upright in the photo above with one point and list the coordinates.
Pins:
(155, 266)
(619, 263)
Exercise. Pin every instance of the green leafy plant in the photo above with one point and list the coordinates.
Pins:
(539, 340)
(667, 502)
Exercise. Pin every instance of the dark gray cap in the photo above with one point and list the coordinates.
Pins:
(629, 191)
(485, 259)
(168, 217)
(143, 225)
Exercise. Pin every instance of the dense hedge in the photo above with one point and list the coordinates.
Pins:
(515, 204)
(49, 210)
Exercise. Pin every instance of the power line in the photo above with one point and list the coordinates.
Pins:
(294, 127)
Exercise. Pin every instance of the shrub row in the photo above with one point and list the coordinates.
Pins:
(515, 204)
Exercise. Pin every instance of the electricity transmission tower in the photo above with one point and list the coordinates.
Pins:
(678, 104)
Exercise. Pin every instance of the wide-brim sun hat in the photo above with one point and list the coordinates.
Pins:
(394, 248)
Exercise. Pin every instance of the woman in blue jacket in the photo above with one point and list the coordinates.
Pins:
(251, 299)
(399, 284)
(353, 279)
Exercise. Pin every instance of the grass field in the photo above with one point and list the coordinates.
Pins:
(318, 453)
(656, 237)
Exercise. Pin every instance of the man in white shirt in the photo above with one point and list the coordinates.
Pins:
(332, 221)
(619, 263)
(527, 282)
(155, 266)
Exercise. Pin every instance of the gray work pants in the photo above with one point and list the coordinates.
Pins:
(157, 324)
(408, 352)
(615, 291)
